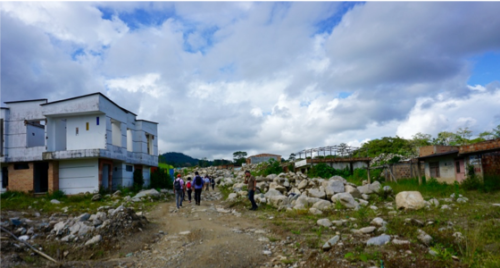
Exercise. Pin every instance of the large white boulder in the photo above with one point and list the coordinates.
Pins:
(317, 193)
(274, 197)
(409, 200)
(150, 192)
(303, 184)
(346, 200)
(323, 205)
(333, 187)
(353, 191)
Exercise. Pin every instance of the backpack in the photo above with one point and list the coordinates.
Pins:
(198, 181)
(177, 185)
(188, 185)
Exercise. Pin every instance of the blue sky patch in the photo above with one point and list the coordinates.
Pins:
(76, 53)
(486, 69)
(344, 95)
(327, 25)
(139, 17)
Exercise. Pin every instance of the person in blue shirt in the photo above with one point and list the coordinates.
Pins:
(198, 183)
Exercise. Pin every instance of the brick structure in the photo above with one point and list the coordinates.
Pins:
(21, 179)
(436, 149)
(53, 176)
(479, 147)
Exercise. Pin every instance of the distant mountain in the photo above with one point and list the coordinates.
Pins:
(180, 159)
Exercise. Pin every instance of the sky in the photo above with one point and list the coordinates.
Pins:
(263, 77)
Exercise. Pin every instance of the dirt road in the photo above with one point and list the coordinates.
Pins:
(201, 236)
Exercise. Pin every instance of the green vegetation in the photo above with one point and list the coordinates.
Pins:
(323, 170)
(239, 157)
(160, 179)
(138, 179)
(270, 167)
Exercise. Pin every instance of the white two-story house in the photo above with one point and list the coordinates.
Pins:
(75, 145)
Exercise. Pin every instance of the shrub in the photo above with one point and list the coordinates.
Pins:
(323, 170)
(471, 183)
(161, 179)
(58, 194)
(270, 167)
(138, 179)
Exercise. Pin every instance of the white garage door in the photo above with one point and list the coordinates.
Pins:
(79, 176)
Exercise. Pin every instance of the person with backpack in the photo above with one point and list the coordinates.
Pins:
(206, 180)
(198, 187)
(178, 190)
(212, 181)
(189, 188)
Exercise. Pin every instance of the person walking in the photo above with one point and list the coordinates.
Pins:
(178, 190)
(206, 180)
(252, 186)
(189, 188)
(212, 181)
(198, 187)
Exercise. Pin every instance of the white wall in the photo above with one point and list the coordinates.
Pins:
(79, 176)
(16, 142)
(94, 138)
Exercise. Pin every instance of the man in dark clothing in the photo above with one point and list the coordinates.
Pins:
(252, 186)
(198, 187)
(212, 181)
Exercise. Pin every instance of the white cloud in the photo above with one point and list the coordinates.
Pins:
(270, 78)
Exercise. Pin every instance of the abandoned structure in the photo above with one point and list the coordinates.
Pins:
(452, 163)
(337, 156)
(75, 145)
(259, 158)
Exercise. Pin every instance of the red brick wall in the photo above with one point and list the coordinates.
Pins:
(21, 179)
(426, 150)
(491, 164)
(482, 146)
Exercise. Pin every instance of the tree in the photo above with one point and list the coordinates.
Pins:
(496, 132)
(463, 135)
(486, 135)
(446, 138)
(239, 157)
(421, 139)
(291, 157)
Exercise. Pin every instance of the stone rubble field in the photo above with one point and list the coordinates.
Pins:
(301, 222)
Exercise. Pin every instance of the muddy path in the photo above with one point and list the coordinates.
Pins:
(209, 235)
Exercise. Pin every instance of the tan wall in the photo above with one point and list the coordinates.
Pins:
(435, 149)
(446, 169)
(21, 179)
(53, 176)
(426, 150)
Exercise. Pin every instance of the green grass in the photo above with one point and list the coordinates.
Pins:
(165, 166)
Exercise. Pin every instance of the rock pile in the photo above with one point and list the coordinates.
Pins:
(296, 191)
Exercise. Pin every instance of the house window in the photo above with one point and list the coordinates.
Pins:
(116, 133)
(149, 143)
(457, 164)
(129, 140)
(18, 166)
(35, 133)
(129, 168)
(434, 168)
